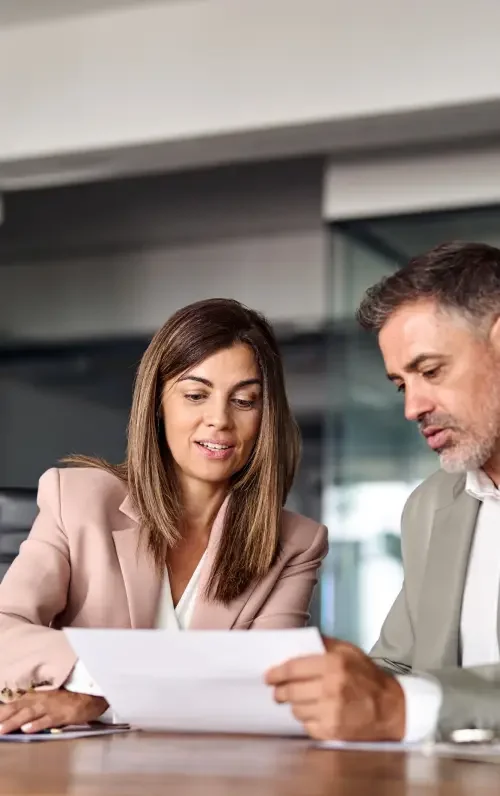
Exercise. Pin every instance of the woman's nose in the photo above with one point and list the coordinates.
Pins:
(218, 415)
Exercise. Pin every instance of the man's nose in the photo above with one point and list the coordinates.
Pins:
(417, 404)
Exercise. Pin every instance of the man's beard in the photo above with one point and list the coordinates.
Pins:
(474, 445)
(471, 454)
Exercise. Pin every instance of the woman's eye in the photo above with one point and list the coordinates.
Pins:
(243, 403)
(195, 397)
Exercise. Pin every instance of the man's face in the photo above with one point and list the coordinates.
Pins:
(450, 376)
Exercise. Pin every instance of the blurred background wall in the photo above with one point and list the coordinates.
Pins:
(282, 152)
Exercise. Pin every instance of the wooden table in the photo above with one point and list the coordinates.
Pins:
(151, 764)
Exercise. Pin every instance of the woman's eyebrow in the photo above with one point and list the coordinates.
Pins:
(207, 383)
(199, 379)
(247, 383)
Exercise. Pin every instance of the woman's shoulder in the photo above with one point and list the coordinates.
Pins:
(302, 533)
(82, 490)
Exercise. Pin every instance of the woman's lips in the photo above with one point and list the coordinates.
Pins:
(220, 454)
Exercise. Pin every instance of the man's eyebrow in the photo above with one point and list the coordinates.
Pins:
(414, 364)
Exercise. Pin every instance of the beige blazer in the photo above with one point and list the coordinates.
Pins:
(422, 631)
(82, 566)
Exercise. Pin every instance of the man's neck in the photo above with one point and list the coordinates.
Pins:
(492, 470)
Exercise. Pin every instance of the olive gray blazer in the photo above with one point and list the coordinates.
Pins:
(422, 631)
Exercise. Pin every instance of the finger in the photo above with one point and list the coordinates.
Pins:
(305, 668)
(306, 712)
(332, 644)
(299, 691)
(317, 730)
(8, 710)
(45, 722)
(24, 715)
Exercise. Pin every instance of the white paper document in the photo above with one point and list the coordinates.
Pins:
(194, 681)
(481, 752)
(371, 746)
(65, 734)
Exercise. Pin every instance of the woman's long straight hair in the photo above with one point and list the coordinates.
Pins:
(250, 537)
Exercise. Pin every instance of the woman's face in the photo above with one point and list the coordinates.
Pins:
(212, 415)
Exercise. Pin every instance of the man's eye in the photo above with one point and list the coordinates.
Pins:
(401, 388)
(430, 374)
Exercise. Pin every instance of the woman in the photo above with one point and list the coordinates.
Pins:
(189, 532)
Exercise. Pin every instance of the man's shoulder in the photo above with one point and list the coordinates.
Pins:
(439, 489)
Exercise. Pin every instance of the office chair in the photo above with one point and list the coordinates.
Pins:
(18, 510)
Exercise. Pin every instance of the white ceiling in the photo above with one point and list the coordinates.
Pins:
(13, 12)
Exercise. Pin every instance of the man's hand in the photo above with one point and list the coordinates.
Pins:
(341, 695)
(41, 710)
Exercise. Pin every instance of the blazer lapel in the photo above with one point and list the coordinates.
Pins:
(208, 614)
(440, 607)
(142, 581)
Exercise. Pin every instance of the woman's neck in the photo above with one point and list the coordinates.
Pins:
(201, 504)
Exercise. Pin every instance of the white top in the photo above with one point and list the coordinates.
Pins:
(179, 618)
(479, 620)
(479, 639)
(168, 618)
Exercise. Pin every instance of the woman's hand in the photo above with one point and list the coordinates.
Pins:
(41, 710)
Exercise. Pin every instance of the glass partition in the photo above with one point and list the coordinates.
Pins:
(373, 457)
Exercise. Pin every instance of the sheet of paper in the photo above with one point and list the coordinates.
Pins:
(66, 735)
(474, 752)
(194, 681)
(380, 746)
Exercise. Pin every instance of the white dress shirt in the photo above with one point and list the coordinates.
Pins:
(479, 619)
(168, 618)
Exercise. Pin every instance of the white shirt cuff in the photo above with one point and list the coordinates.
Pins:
(81, 682)
(423, 698)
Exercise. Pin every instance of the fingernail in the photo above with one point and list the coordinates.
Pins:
(1, 727)
(27, 727)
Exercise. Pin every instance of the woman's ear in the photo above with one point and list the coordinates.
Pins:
(494, 335)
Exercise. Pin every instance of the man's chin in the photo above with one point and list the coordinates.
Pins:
(452, 466)
(452, 462)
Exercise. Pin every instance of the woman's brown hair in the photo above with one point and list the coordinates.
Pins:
(250, 537)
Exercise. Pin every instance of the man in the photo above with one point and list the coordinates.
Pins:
(437, 660)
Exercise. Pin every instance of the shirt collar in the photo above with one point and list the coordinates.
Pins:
(478, 485)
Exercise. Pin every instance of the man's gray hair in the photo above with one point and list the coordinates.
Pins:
(459, 276)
